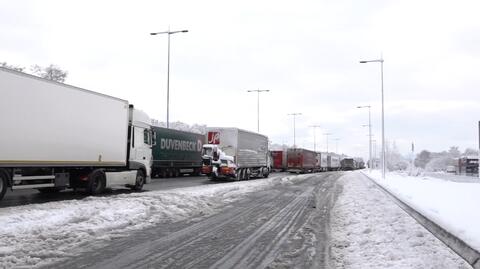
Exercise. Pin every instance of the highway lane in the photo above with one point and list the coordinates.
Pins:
(286, 226)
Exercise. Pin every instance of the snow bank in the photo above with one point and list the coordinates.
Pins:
(36, 235)
(452, 205)
(371, 231)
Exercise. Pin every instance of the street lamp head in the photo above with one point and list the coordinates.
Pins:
(184, 31)
(153, 33)
(363, 62)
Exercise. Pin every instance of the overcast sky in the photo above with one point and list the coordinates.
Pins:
(305, 52)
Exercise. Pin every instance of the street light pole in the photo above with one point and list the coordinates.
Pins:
(327, 134)
(168, 68)
(315, 136)
(383, 112)
(258, 106)
(369, 136)
(294, 116)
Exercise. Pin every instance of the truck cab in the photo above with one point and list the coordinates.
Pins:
(217, 164)
(141, 139)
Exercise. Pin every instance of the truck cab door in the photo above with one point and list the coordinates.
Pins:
(142, 147)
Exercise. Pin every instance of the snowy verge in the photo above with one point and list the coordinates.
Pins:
(35, 235)
(451, 205)
(370, 231)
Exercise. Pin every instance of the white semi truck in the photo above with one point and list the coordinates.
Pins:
(245, 154)
(55, 136)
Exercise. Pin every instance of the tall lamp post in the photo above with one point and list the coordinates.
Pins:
(294, 116)
(258, 106)
(168, 69)
(327, 134)
(369, 136)
(383, 117)
(315, 136)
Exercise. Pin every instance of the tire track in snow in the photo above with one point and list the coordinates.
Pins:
(251, 233)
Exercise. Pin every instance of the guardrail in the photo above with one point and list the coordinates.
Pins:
(469, 254)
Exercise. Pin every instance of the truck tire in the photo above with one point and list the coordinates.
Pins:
(96, 182)
(139, 182)
(247, 174)
(266, 172)
(3, 184)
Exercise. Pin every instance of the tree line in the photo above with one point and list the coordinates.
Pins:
(51, 72)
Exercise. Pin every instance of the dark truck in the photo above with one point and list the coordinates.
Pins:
(176, 153)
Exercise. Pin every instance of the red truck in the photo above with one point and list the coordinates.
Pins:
(301, 160)
(279, 160)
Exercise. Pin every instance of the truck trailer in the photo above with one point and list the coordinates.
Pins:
(279, 160)
(333, 162)
(301, 160)
(177, 152)
(322, 162)
(244, 154)
(56, 136)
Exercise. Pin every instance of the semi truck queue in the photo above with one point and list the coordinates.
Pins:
(56, 136)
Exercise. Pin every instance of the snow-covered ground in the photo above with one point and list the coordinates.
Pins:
(452, 177)
(38, 234)
(371, 231)
(452, 205)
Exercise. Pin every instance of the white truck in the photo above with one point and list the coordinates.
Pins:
(56, 136)
(248, 153)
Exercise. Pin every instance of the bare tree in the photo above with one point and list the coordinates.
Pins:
(51, 72)
(13, 67)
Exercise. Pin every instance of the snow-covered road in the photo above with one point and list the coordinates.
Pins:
(39, 234)
(325, 220)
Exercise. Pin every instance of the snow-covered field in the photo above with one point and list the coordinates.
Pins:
(371, 231)
(452, 177)
(36, 235)
(452, 205)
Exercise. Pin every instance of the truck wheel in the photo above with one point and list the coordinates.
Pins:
(163, 173)
(247, 174)
(266, 173)
(96, 182)
(3, 184)
(139, 182)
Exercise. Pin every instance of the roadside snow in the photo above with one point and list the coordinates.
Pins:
(452, 205)
(35, 235)
(371, 231)
(451, 177)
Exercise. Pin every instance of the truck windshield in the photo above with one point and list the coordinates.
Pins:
(207, 151)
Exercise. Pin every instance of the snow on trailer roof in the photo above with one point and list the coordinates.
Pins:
(15, 72)
(235, 128)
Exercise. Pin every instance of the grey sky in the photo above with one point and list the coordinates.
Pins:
(305, 52)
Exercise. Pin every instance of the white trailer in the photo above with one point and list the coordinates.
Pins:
(248, 149)
(57, 136)
(333, 162)
(322, 161)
